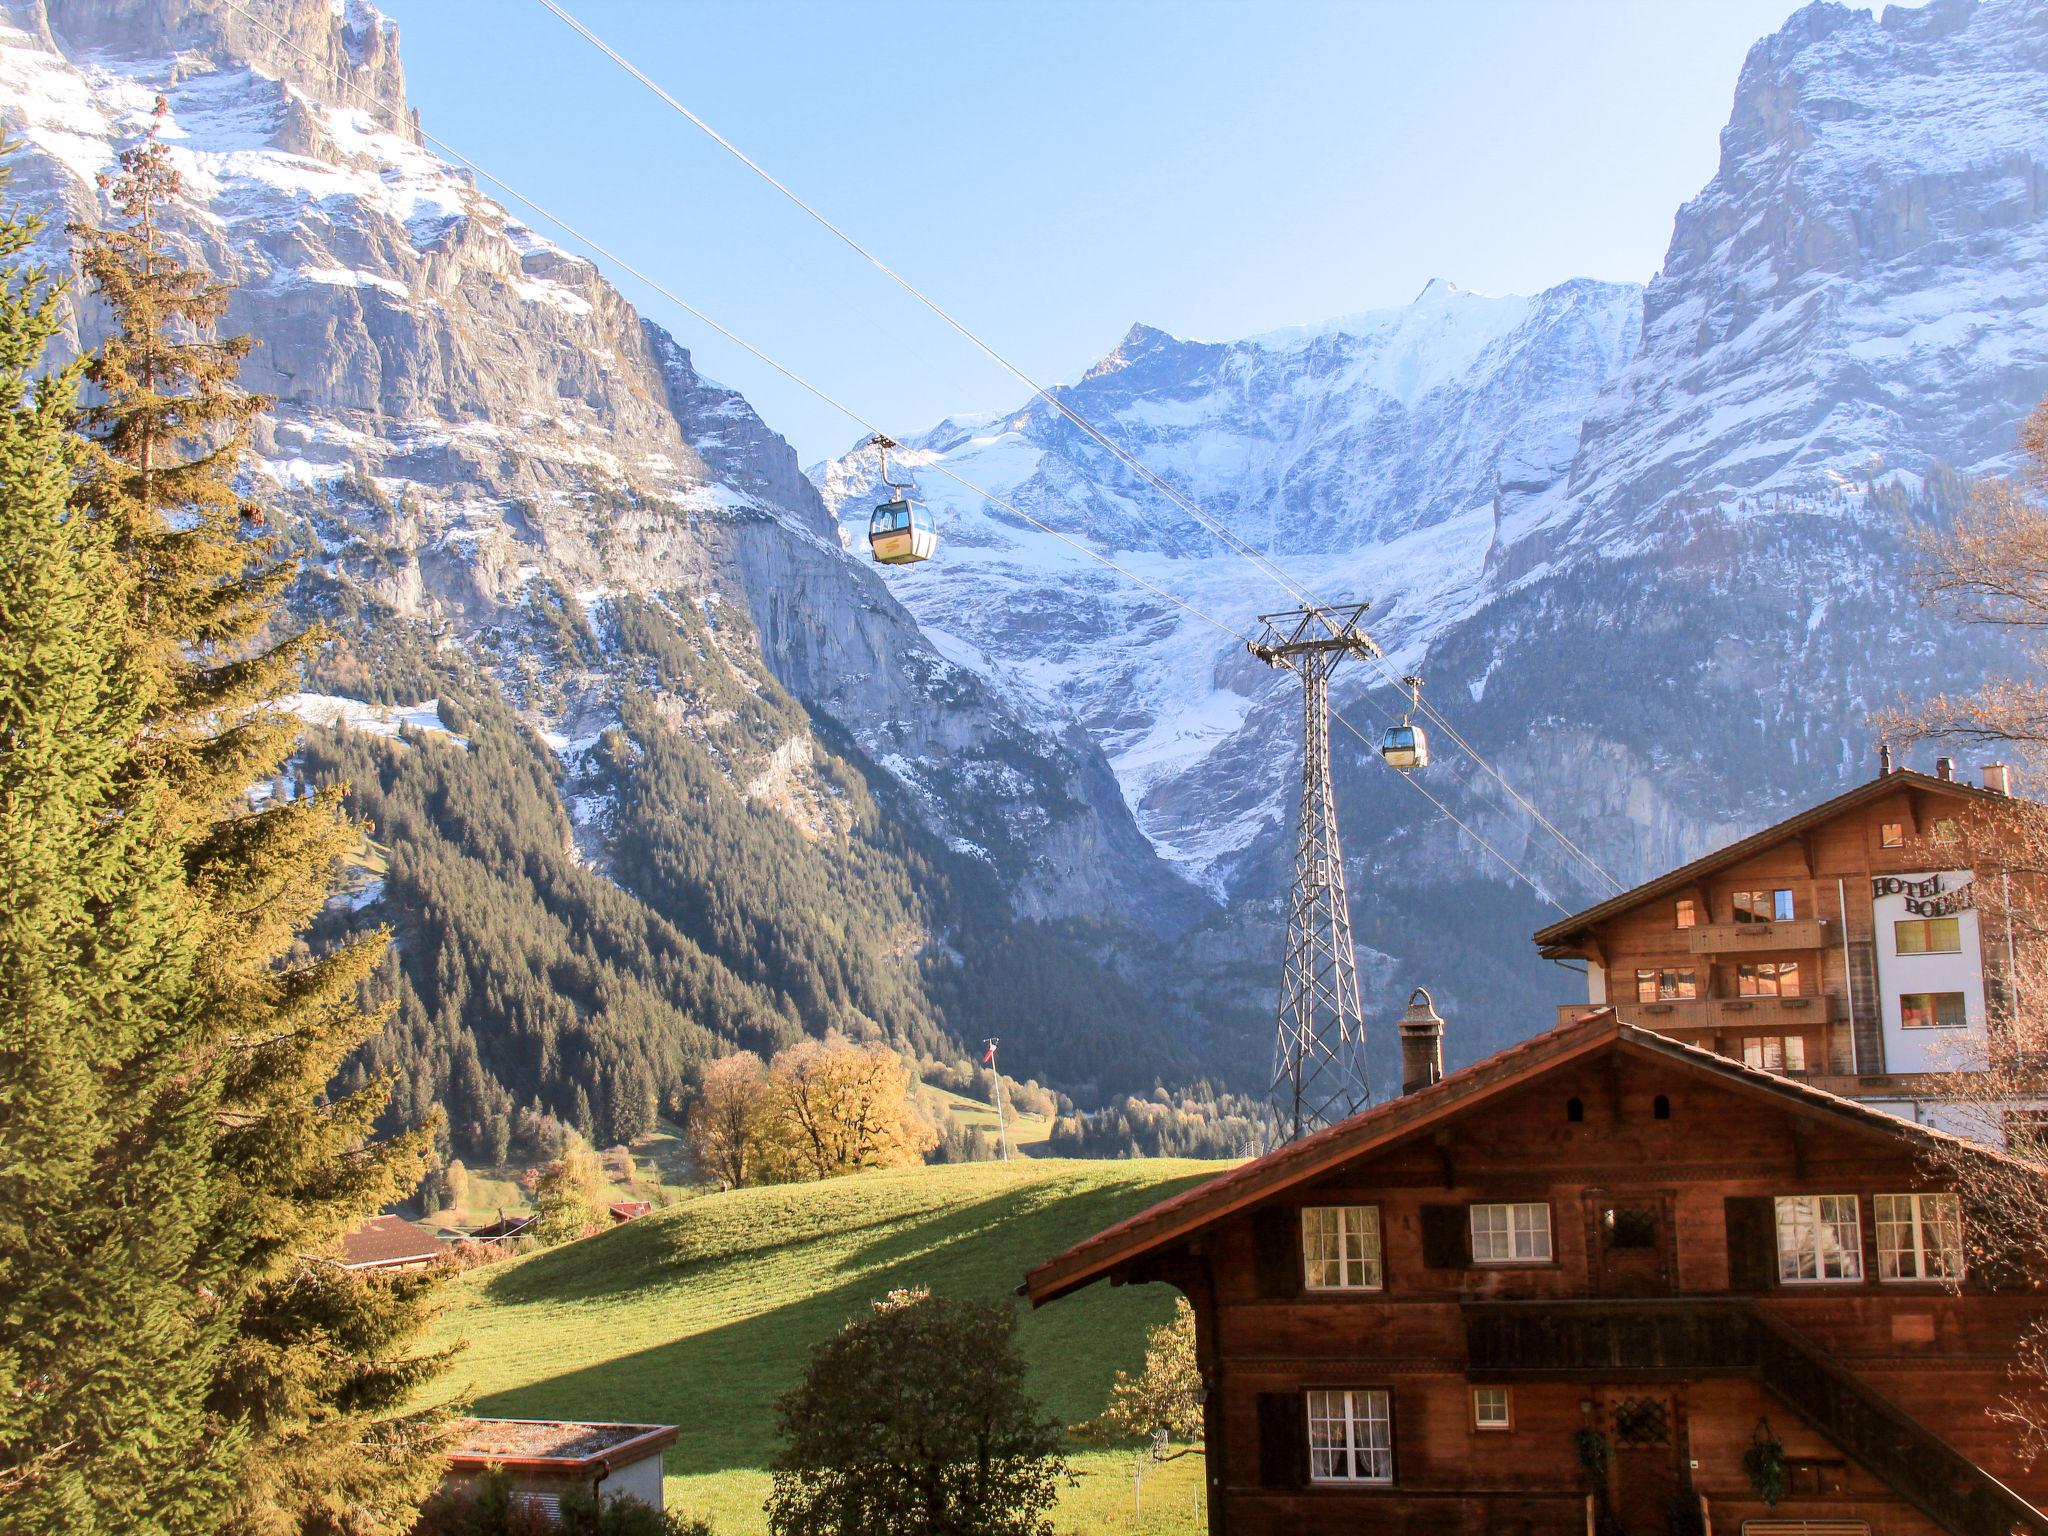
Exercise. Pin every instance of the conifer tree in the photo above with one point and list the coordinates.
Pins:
(318, 1370)
(110, 1319)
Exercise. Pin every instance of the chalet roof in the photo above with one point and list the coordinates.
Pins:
(383, 1241)
(1565, 929)
(1370, 1130)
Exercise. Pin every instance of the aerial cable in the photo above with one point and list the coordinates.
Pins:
(1243, 547)
(820, 394)
(797, 379)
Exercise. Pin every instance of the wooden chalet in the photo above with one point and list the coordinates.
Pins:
(1842, 945)
(1577, 1281)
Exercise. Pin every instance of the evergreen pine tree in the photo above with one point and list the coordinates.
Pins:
(111, 1312)
(319, 1369)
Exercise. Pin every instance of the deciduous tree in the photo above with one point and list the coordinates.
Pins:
(844, 1107)
(1991, 569)
(571, 1197)
(914, 1421)
(733, 1126)
(1165, 1397)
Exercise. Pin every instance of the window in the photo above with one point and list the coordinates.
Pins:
(1688, 914)
(1819, 1238)
(1763, 906)
(1932, 1010)
(1490, 1408)
(1945, 830)
(1774, 1053)
(1767, 978)
(1511, 1234)
(1340, 1247)
(1350, 1437)
(1928, 935)
(1666, 986)
(1642, 1421)
(1919, 1237)
(2026, 1134)
(1630, 1226)
(1891, 834)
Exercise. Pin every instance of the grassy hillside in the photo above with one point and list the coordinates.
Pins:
(702, 1315)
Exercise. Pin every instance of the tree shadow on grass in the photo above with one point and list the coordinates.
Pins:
(720, 1385)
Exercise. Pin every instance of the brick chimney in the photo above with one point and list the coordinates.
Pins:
(1422, 1043)
(1998, 778)
(1945, 769)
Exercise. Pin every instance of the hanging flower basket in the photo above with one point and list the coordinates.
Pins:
(1764, 1462)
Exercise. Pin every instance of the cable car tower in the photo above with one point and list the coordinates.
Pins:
(1319, 1055)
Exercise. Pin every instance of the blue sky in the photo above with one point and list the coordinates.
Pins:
(1053, 170)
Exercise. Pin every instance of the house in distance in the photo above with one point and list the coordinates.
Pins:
(1583, 1278)
(1843, 945)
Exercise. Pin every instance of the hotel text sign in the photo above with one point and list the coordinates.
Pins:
(1926, 897)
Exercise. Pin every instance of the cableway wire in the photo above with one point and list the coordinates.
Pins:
(1244, 548)
(850, 413)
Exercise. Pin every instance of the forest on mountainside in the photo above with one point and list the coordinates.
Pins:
(593, 978)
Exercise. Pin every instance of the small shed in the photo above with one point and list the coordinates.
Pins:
(389, 1242)
(545, 1458)
(630, 1210)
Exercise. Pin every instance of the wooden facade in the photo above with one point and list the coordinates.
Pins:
(1776, 949)
(1462, 1381)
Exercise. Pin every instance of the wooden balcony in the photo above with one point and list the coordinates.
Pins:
(1602, 1340)
(1722, 1015)
(1756, 938)
(1686, 1339)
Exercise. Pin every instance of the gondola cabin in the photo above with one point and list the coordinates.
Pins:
(902, 533)
(1405, 747)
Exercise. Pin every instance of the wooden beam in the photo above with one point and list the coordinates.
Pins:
(1807, 854)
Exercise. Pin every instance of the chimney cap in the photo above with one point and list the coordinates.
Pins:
(1421, 1014)
(1945, 769)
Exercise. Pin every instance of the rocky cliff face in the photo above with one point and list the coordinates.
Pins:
(467, 416)
(1647, 545)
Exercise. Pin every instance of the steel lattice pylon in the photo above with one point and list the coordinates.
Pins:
(1319, 1050)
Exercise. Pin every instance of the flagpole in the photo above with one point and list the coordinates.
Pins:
(1002, 1124)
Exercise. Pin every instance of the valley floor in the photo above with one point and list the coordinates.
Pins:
(702, 1315)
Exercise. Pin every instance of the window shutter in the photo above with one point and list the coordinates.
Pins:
(1446, 1236)
(1283, 1440)
(1752, 1222)
(1276, 1239)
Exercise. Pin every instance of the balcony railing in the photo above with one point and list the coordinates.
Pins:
(1625, 1340)
(1736, 938)
(1722, 1015)
(1598, 1340)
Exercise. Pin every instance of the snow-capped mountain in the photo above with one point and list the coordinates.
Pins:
(504, 484)
(1366, 455)
(1647, 545)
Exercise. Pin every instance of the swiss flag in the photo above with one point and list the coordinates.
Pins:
(990, 1059)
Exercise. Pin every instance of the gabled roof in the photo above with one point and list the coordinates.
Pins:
(384, 1241)
(1396, 1120)
(1565, 929)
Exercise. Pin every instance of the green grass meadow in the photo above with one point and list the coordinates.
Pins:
(702, 1315)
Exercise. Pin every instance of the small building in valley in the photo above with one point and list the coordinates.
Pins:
(546, 1458)
(1584, 1277)
(1843, 945)
(390, 1242)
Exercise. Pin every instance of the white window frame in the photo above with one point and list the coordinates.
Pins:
(1355, 1230)
(1518, 1230)
(1904, 1226)
(1820, 1233)
(1357, 1426)
(1480, 1419)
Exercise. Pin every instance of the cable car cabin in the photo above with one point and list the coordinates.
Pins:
(902, 533)
(1405, 747)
